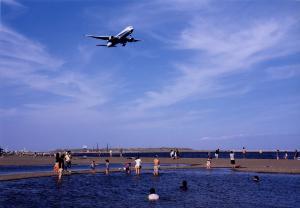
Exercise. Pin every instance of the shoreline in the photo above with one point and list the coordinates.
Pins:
(244, 165)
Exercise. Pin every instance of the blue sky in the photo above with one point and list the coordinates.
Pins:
(208, 74)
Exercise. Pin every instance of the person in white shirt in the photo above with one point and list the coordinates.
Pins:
(232, 160)
(172, 154)
(153, 196)
(138, 165)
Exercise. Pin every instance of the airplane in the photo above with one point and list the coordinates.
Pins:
(122, 38)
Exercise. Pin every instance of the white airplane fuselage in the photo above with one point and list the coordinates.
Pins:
(120, 37)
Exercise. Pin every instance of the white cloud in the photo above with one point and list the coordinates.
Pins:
(218, 52)
(17, 49)
(11, 2)
(27, 63)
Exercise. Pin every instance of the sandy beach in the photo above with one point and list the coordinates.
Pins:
(250, 165)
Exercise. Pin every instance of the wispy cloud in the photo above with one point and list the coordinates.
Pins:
(196, 73)
(11, 3)
(218, 52)
(17, 49)
(27, 63)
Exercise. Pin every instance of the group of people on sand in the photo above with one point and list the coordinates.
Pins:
(209, 159)
(62, 163)
(286, 155)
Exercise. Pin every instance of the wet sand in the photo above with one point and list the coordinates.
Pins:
(248, 165)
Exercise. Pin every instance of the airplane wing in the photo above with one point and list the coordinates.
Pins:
(104, 45)
(132, 40)
(99, 37)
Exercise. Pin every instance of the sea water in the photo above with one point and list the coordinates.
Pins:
(206, 188)
(223, 154)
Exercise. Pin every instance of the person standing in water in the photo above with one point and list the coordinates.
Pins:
(138, 165)
(232, 160)
(156, 163)
(277, 154)
(93, 166)
(61, 166)
(208, 163)
(68, 160)
(106, 166)
(128, 168)
(56, 165)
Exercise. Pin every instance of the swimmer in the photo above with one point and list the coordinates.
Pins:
(255, 178)
(153, 196)
(184, 187)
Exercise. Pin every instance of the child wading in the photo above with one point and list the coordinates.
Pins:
(138, 165)
(106, 166)
(156, 164)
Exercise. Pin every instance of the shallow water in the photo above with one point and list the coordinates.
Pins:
(13, 169)
(207, 188)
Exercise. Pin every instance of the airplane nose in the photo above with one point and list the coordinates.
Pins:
(130, 28)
